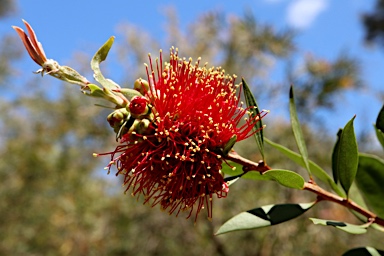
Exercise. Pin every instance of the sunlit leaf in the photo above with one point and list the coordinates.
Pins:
(254, 112)
(297, 132)
(316, 170)
(345, 157)
(264, 216)
(364, 251)
(94, 91)
(370, 180)
(99, 57)
(350, 228)
(286, 178)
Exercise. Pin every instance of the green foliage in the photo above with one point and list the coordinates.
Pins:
(350, 228)
(264, 216)
(283, 177)
(373, 23)
(47, 164)
(297, 132)
(99, 57)
(379, 127)
(316, 170)
(254, 112)
(364, 251)
(345, 156)
(370, 180)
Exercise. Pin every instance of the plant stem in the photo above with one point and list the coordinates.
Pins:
(321, 193)
(325, 195)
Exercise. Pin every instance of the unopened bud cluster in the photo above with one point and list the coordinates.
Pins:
(135, 116)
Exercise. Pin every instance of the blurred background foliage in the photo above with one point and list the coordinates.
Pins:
(56, 199)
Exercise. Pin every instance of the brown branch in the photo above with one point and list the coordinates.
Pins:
(248, 165)
(325, 195)
(321, 193)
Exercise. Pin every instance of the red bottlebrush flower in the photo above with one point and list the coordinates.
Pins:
(173, 157)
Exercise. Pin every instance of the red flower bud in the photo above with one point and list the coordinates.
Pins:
(138, 106)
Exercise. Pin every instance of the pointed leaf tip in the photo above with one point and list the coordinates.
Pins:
(264, 216)
(254, 112)
(297, 132)
(345, 156)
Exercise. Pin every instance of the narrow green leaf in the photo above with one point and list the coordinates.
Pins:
(99, 57)
(370, 180)
(285, 178)
(227, 148)
(350, 228)
(364, 251)
(377, 227)
(346, 157)
(264, 216)
(316, 170)
(254, 112)
(335, 156)
(297, 132)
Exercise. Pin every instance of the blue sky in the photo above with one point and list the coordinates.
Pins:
(324, 29)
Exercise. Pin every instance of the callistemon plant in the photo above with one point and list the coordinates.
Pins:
(176, 129)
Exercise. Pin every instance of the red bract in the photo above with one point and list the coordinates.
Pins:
(176, 160)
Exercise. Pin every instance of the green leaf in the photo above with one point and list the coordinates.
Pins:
(380, 120)
(356, 196)
(364, 251)
(99, 57)
(254, 112)
(297, 132)
(227, 148)
(231, 168)
(350, 228)
(285, 178)
(335, 157)
(377, 227)
(370, 180)
(345, 157)
(379, 126)
(379, 135)
(94, 91)
(264, 216)
(315, 169)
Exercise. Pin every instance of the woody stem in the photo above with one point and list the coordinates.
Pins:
(321, 193)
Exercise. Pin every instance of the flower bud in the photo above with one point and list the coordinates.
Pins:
(117, 117)
(143, 127)
(141, 85)
(138, 106)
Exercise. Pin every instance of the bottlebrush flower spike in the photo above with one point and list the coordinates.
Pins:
(173, 156)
